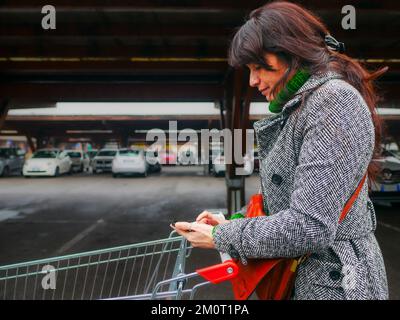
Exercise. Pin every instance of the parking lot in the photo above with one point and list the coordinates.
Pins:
(45, 217)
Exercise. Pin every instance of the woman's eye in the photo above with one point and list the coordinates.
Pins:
(257, 68)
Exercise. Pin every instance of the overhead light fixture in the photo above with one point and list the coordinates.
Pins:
(9, 131)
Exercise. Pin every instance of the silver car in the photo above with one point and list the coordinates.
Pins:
(102, 162)
(80, 160)
(11, 161)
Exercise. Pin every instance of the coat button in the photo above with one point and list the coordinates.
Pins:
(334, 275)
(314, 256)
(276, 179)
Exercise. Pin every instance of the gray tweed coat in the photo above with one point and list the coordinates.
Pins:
(312, 157)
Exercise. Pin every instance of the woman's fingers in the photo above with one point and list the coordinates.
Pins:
(204, 215)
(210, 218)
(183, 226)
(198, 234)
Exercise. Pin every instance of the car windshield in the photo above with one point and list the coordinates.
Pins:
(3, 152)
(74, 154)
(44, 154)
(107, 153)
(129, 153)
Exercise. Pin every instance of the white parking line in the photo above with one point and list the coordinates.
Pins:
(389, 226)
(68, 245)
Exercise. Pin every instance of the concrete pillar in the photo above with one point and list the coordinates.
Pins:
(237, 104)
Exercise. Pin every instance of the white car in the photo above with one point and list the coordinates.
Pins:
(80, 160)
(47, 162)
(219, 166)
(130, 161)
(103, 160)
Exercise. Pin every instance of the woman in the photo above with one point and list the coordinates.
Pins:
(313, 154)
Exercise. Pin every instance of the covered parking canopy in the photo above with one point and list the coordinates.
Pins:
(157, 50)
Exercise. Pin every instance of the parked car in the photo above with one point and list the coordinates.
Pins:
(187, 157)
(153, 161)
(92, 153)
(11, 161)
(129, 161)
(47, 162)
(389, 168)
(218, 166)
(102, 162)
(80, 160)
(168, 158)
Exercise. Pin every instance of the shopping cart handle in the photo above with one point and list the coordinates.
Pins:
(219, 272)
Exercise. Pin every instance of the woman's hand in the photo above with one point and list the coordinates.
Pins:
(198, 234)
(211, 219)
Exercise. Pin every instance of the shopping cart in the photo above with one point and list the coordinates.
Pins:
(148, 270)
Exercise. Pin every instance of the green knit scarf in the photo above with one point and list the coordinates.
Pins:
(291, 87)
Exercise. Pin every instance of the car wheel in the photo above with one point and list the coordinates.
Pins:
(115, 175)
(57, 172)
(82, 168)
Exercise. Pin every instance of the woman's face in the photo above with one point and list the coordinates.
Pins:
(265, 79)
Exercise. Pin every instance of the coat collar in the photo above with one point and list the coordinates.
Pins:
(311, 84)
(267, 129)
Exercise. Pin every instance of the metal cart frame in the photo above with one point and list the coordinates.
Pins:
(148, 270)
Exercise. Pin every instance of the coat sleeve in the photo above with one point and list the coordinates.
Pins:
(338, 140)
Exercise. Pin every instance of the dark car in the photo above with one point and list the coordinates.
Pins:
(389, 165)
(11, 161)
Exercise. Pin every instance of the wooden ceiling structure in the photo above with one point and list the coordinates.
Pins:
(159, 50)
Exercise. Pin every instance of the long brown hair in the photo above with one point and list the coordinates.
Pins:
(297, 37)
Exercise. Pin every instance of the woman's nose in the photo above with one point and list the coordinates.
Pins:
(253, 80)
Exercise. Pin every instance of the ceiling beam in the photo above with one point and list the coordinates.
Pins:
(111, 92)
(115, 30)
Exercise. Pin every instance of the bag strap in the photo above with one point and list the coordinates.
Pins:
(350, 202)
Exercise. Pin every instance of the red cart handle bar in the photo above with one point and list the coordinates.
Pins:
(220, 272)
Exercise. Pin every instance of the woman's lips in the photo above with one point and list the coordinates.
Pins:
(263, 92)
